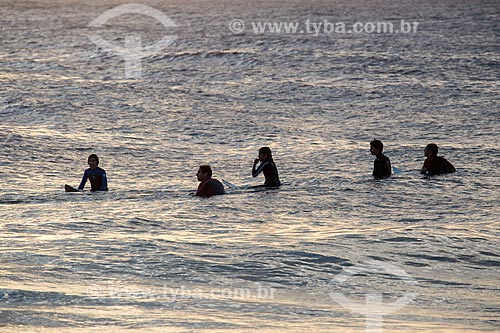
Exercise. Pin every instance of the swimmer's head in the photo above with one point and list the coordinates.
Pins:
(93, 161)
(265, 153)
(376, 147)
(204, 173)
(431, 150)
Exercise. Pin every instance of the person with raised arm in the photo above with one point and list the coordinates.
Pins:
(267, 166)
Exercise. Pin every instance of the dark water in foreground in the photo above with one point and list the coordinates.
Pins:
(149, 257)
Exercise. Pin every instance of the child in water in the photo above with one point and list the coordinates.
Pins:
(96, 175)
(267, 166)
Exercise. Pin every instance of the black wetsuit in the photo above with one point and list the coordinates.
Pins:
(270, 172)
(382, 167)
(97, 177)
(437, 165)
(210, 187)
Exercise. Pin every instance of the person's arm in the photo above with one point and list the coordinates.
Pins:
(198, 190)
(254, 165)
(425, 168)
(389, 167)
(375, 172)
(380, 167)
(84, 180)
(256, 172)
(104, 186)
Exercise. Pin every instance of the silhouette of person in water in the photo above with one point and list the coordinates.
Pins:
(266, 166)
(208, 186)
(433, 164)
(382, 165)
(96, 175)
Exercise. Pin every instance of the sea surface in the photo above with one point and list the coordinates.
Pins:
(333, 250)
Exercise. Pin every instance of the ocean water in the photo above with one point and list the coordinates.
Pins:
(149, 257)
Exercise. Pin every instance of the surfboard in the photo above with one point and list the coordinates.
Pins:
(232, 186)
(247, 188)
(68, 188)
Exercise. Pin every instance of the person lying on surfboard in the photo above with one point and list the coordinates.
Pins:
(208, 186)
(96, 175)
(382, 164)
(433, 164)
(266, 166)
